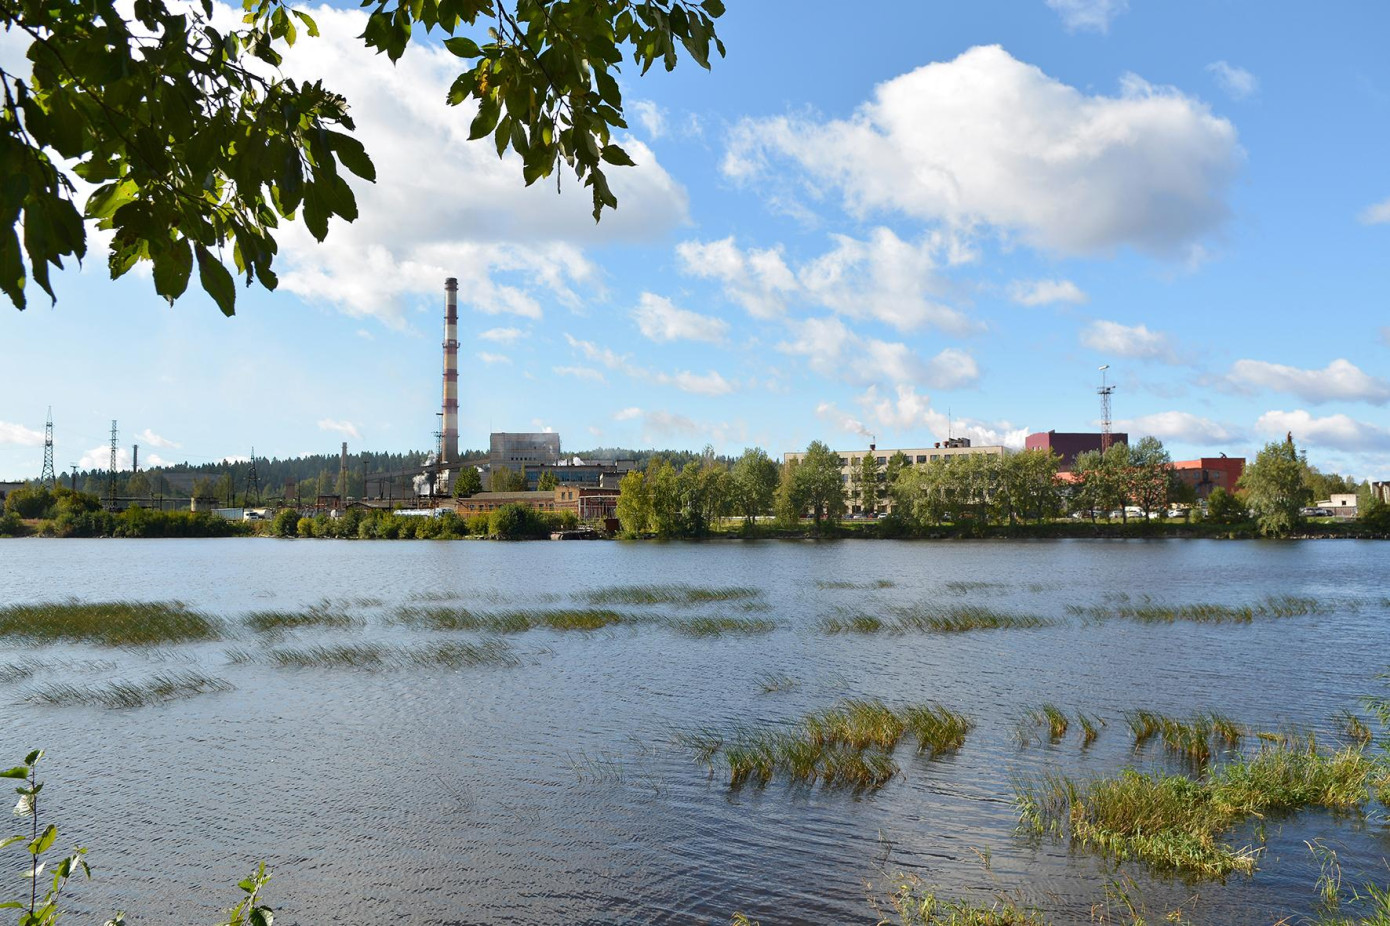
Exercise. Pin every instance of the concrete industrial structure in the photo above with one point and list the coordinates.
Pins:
(589, 503)
(1070, 445)
(449, 417)
(1341, 504)
(1209, 473)
(522, 451)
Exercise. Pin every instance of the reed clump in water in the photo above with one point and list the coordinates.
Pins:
(517, 621)
(838, 584)
(110, 623)
(1090, 727)
(1354, 728)
(20, 671)
(281, 621)
(915, 905)
(156, 690)
(847, 745)
(957, 619)
(1191, 737)
(670, 594)
(720, 626)
(773, 682)
(1177, 823)
(1149, 611)
(375, 656)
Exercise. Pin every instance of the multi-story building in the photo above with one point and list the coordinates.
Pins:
(1209, 473)
(851, 463)
(518, 451)
(1069, 445)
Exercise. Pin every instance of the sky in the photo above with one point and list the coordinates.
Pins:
(920, 220)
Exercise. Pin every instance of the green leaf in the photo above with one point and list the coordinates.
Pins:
(18, 771)
(489, 111)
(353, 156)
(464, 47)
(309, 24)
(172, 268)
(10, 840)
(45, 840)
(615, 155)
(217, 282)
(713, 7)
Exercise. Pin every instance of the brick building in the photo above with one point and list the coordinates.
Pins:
(1210, 473)
(1070, 445)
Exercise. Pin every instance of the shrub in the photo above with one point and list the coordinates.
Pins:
(1226, 508)
(285, 523)
(29, 502)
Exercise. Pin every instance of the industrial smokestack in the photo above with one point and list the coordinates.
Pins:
(449, 432)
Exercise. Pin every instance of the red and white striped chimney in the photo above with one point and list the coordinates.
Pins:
(449, 436)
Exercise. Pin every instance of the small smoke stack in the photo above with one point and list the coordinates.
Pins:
(449, 432)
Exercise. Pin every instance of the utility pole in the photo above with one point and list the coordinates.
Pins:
(73, 476)
(47, 477)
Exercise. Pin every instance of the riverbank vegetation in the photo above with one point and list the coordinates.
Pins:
(1152, 612)
(931, 619)
(110, 623)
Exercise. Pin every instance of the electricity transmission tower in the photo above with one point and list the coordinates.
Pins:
(48, 478)
(1104, 391)
(253, 481)
(111, 471)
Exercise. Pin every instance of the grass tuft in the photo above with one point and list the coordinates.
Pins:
(917, 906)
(670, 594)
(281, 621)
(719, 626)
(156, 690)
(111, 623)
(374, 656)
(773, 682)
(1152, 612)
(835, 584)
(921, 619)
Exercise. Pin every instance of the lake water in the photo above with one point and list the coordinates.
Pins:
(553, 791)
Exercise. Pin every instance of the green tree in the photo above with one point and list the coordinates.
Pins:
(1028, 486)
(506, 479)
(789, 504)
(894, 468)
(634, 504)
(547, 482)
(192, 148)
(285, 523)
(754, 484)
(469, 483)
(819, 484)
(1274, 487)
(667, 509)
(1150, 474)
(30, 501)
(866, 487)
(1226, 508)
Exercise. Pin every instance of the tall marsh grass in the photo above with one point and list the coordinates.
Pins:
(280, 621)
(847, 745)
(1178, 823)
(677, 593)
(923, 619)
(156, 690)
(1191, 738)
(1152, 612)
(110, 623)
(375, 656)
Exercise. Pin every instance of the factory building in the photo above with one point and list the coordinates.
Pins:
(1209, 473)
(1070, 445)
(852, 460)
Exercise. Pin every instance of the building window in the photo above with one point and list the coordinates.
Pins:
(922, 458)
(882, 460)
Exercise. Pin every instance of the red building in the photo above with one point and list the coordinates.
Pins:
(1209, 473)
(1069, 446)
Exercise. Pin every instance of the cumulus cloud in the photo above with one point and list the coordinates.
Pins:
(443, 206)
(652, 117)
(100, 458)
(1088, 15)
(1046, 292)
(491, 358)
(660, 320)
(151, 439)
(711, 383)
(1339, 432)
(1138, 342)
(832, 349)
(1177, 426)
(1340, 380)
(19, 434)
(501, 335)
(1238, 83)
(585, 373)
(627, 414)
(907, 410)
(344, 427)
(989, 140)
(881, 278)
(1377, 214)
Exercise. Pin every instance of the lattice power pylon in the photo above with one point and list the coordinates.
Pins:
(48, 477)
(1104, 391)
(111, 470)
(253, 480)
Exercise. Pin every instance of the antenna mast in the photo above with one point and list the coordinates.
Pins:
(1104, 392)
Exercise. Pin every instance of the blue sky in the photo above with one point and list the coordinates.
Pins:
(853, 225)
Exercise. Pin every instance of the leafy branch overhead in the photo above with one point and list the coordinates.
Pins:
(186, 141)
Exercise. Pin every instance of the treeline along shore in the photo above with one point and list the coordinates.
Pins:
(1125, 492)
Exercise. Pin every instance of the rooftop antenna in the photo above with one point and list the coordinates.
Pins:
(1104, 391)
(47, 477)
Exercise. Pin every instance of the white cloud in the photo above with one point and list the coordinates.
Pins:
(100, 458)
(627, 414)
(1093, 15)
(1046, 292)
(671, 424)
(501, 335)
(344, 427)
(1340, 380)
(1237, 82)
(660, 320)
(1178, 426)
(1377, 214)
(829, 413)
(882, 277)
(989, 140)
(19, 434)
(443, 206)
(586, 373)
(490, 358)
(711, 383)
(652, 117)
(1118, 340)
(154, 459)
(151, 439)
(1338, 431)
(909, 410)
(832, 349)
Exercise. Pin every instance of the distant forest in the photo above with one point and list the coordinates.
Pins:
(309, 476)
